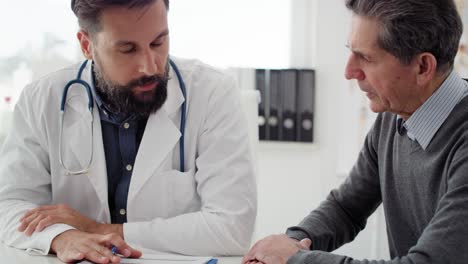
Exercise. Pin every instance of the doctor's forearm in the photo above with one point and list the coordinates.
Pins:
(216, 234)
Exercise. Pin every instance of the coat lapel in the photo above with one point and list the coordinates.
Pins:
(98, 170)
(159, 139)
(77, 102)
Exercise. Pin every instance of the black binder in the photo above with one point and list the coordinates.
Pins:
(288, 115)
(260, 84)
(275, 106)
(305, 105)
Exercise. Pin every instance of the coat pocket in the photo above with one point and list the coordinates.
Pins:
(168, 194)
(181, 191)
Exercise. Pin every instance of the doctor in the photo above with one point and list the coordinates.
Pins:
(148, 166)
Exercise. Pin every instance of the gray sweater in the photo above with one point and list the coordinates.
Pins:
(424, 194)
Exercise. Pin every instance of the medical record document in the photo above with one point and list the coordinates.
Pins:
(167, 259)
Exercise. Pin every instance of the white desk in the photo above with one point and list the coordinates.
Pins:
(11, 255)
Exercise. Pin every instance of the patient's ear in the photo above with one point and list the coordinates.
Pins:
(427, 68)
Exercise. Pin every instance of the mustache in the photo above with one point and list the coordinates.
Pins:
(145, 80)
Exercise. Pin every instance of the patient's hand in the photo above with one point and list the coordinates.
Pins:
(275, 249)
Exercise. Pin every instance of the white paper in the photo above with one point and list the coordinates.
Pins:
(166, 259)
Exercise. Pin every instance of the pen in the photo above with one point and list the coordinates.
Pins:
(114, 250)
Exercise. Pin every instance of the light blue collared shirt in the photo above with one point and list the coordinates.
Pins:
(429, 117)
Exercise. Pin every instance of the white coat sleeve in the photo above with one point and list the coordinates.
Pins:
(225, 182)
(25, 180)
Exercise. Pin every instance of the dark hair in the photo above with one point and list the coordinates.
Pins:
(411, 27)
(89, 11)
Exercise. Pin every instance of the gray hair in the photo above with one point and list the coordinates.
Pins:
(411, 27)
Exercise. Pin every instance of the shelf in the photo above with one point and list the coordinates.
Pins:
(275, 146)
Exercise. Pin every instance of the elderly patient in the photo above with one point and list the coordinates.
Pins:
(415, 158)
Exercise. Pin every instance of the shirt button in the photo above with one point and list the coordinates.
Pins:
(122, 212)
(129, 167)
(126, 125)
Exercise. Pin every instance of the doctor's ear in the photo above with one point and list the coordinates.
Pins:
(85, 44)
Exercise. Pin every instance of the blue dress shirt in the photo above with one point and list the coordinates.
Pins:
(121, 135)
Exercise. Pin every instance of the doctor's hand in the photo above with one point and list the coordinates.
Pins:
(74, 245)
(275, 249)
(39, 218)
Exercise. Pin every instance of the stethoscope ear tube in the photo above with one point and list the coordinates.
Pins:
(85, 170)
(79, 81)
(65, 92)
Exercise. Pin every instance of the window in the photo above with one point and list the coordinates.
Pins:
(240, 33)
(37, 37)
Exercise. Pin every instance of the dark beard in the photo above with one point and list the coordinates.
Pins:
(120, 99)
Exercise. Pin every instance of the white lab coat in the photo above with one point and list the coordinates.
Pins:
(208, 210)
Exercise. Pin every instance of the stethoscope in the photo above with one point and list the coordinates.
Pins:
(87, 87)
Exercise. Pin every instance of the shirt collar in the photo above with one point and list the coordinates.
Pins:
(429, 117)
